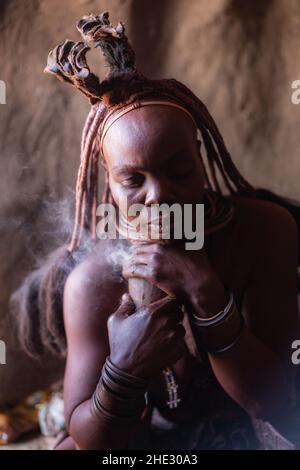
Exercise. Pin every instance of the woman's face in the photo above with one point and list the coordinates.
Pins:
(152, 157)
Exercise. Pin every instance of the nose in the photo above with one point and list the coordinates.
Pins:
(159, 192)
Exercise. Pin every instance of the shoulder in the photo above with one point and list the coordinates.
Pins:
(270, 297)
(260, 243)
(259, 230)
(94, 288)
(91, 294)
(270, 237)
(267, 224)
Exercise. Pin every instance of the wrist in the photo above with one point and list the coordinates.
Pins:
(221, 332)
(131, 369)
(119, 396)
(209, 298)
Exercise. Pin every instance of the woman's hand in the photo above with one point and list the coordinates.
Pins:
(146, 340)
(184, 274)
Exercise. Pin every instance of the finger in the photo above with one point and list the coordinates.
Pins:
(145, 249)
(145, 272)
(131, 262)
(131, 268)
(174, 317)
(141, 271)
(127, 306)
(164, 305)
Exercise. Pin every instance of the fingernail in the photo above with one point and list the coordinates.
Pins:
(125, 297)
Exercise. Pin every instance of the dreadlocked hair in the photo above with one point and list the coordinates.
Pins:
(41, 323)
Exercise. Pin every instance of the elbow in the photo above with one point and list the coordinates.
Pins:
(257, 409)
(90, 433)
(271, 407)
(260, 411)
(276, 397)
(79, 427)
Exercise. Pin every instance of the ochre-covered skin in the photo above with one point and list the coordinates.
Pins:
(254, 256)
(151, 156)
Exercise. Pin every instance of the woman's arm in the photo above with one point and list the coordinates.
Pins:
(86, 310)
(139, 344)
(258, 372)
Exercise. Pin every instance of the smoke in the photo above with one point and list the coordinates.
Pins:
(53, 227)
(57, 220)
(114, 253)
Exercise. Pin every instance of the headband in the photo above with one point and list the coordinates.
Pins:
(112, 117)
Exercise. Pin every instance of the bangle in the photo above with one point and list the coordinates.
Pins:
(120, 382)
(215, 319)
(124, 377)
(119, 397)
(122, 389)
(118, 408)
(230, 345)
(110, 417)
(221, 333)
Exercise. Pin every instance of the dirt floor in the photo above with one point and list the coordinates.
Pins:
(31, 442)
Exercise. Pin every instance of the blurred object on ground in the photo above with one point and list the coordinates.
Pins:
(42, 410)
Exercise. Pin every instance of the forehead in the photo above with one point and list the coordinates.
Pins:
(148, 133)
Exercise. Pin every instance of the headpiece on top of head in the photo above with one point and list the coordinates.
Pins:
(122, 86)
(68, 62)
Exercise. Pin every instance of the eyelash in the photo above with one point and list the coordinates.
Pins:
(128, 182)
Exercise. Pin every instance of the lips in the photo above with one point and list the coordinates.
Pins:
(161, 228)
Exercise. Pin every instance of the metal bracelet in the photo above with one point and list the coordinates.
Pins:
(216, 319)
(137, 382)
(230, 345)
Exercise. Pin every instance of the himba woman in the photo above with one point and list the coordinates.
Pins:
(197, 368)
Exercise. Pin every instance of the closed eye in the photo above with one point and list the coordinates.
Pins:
(133, 181)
